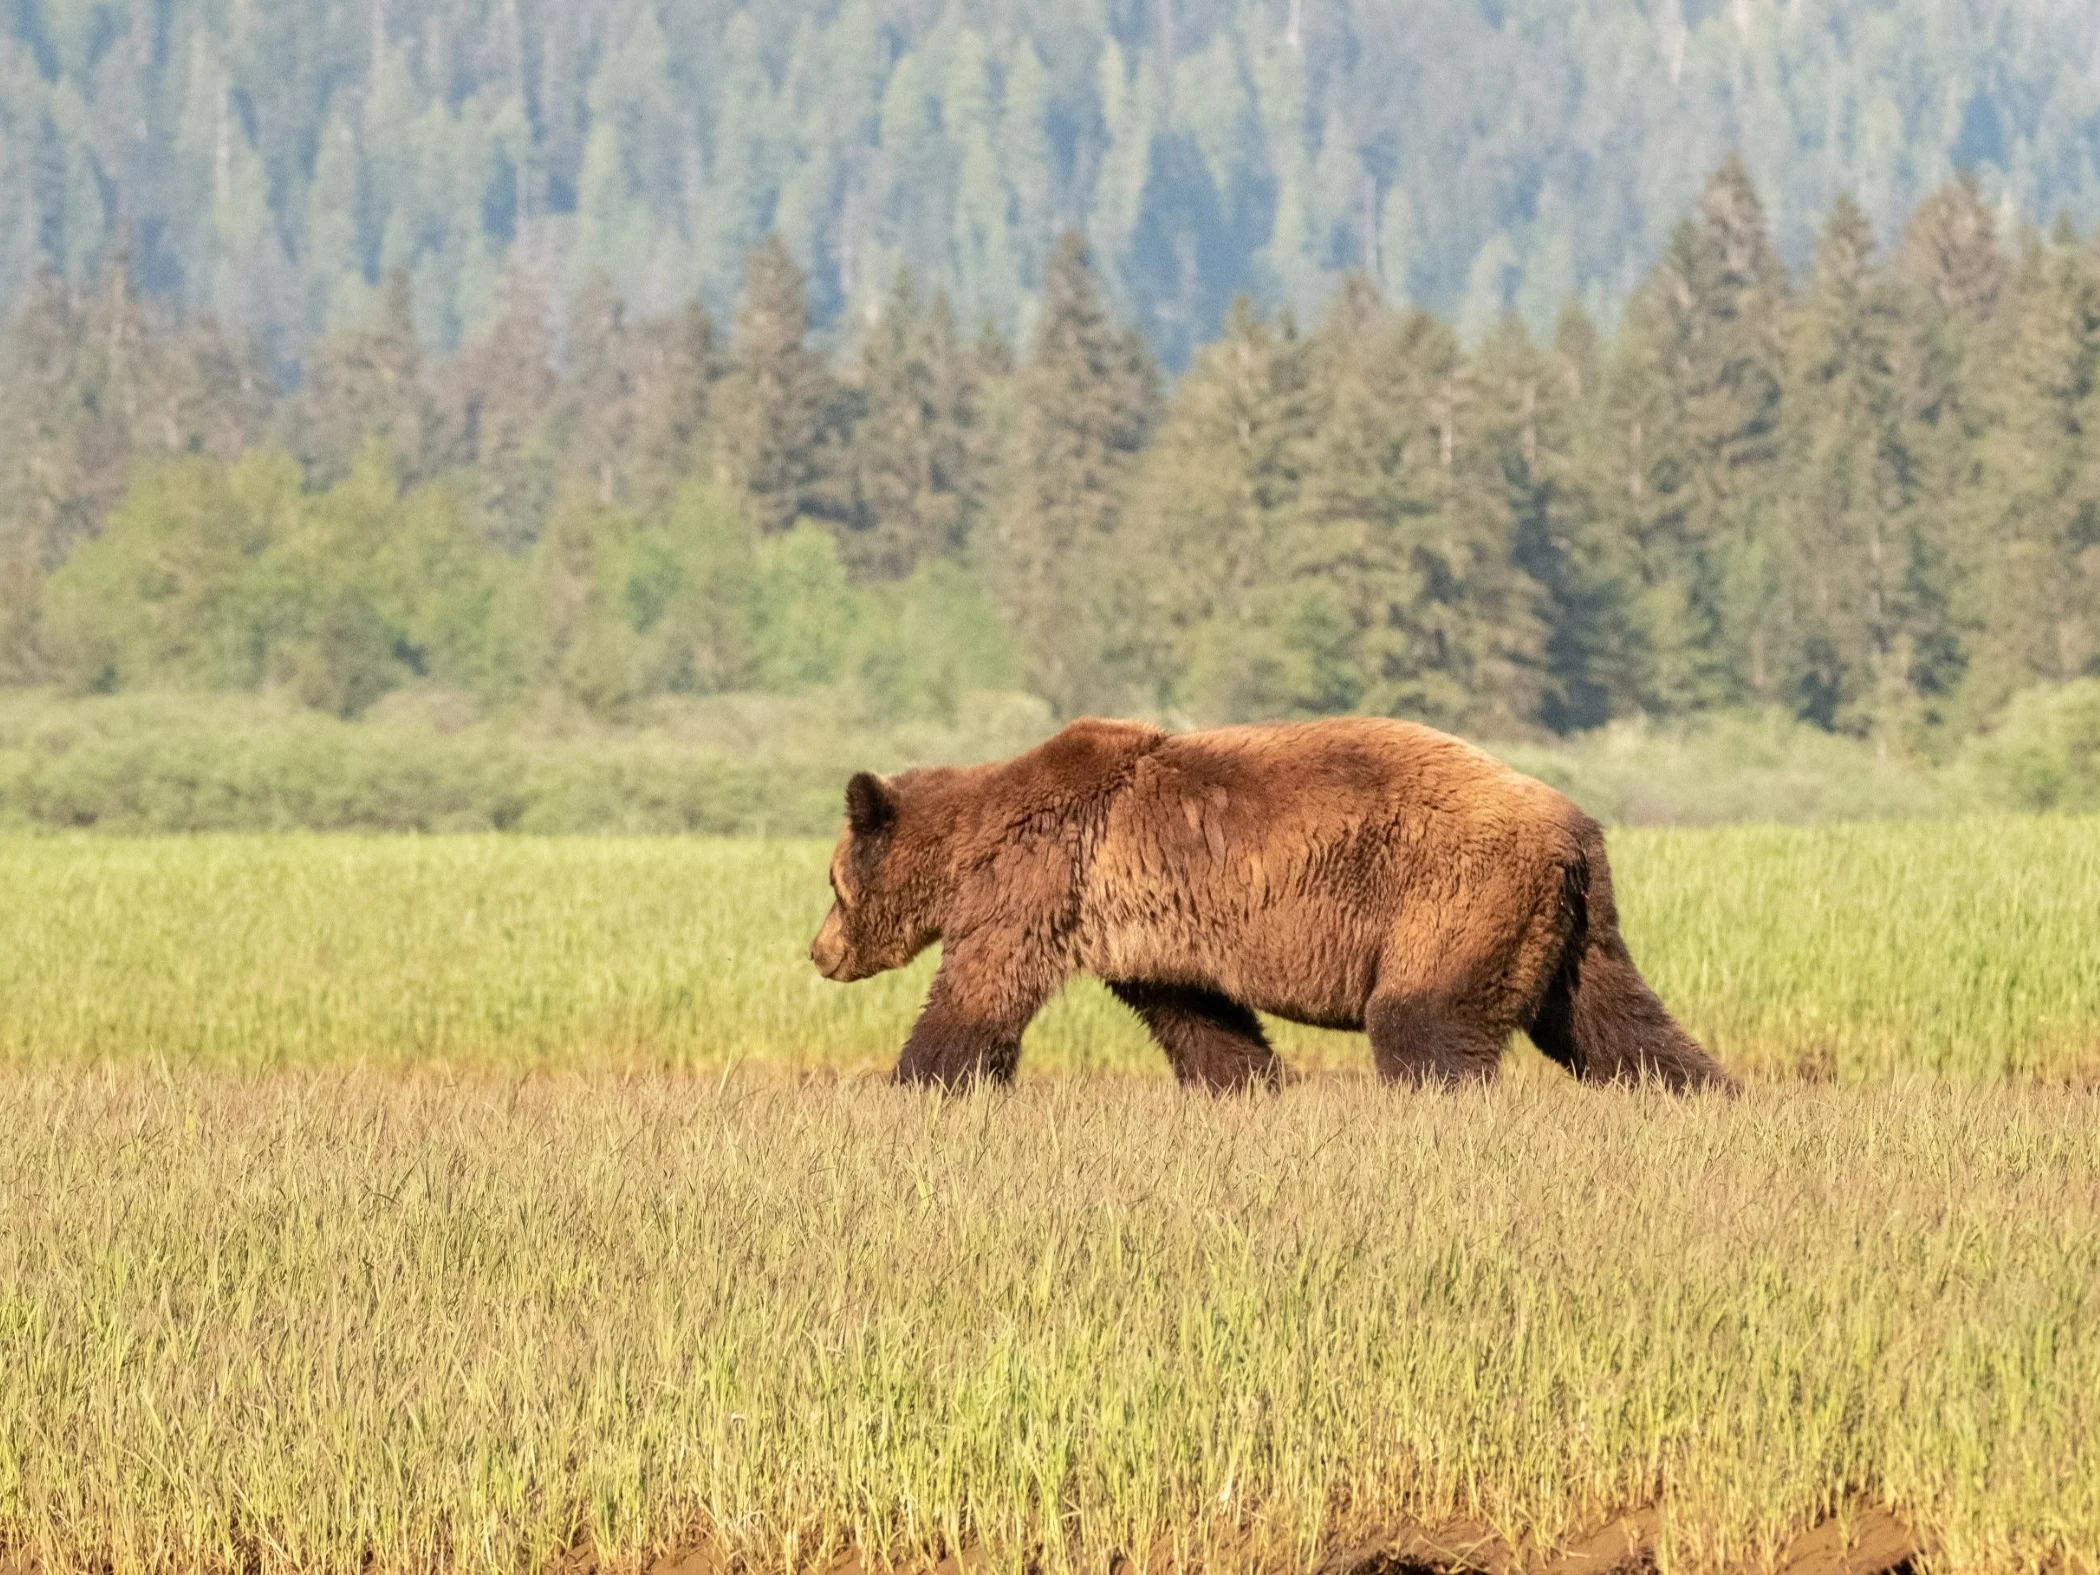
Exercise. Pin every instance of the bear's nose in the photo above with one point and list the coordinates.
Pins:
(828, 950)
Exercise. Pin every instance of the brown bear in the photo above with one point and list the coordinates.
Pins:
(1354, 873)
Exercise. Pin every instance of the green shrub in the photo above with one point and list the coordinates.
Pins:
(2045, 753)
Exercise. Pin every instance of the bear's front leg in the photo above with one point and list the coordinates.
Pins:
(982, 999)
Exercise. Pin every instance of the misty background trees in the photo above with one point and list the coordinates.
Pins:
(1869, 498)
(272, 164)
(1210, 360)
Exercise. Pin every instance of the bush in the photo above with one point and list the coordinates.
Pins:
(156, 764)
(1747, 766)
(2045, 752)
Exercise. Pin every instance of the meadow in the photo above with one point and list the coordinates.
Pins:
(1962, 948)
(516, 1204)
(341, 1321)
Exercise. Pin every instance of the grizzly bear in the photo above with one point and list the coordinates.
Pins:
(1355, 873)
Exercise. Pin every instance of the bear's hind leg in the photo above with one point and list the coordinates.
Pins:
(1211, 1040)
(1418, 1040)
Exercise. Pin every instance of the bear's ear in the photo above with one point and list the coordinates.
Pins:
(871, 805)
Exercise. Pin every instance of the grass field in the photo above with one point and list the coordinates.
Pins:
(347, 1321)
(380, 1205)
(1966, 948)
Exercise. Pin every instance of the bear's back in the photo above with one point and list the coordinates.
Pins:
(1349, 768)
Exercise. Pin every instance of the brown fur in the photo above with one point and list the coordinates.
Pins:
(1355, 873)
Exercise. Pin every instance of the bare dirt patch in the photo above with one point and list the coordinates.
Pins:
(1868, 1541)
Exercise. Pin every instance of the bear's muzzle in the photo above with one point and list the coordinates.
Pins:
(828, 950)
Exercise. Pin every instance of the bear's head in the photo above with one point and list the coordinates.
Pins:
(885, 906)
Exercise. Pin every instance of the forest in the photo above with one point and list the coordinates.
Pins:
(1868, 497)
(271, 164)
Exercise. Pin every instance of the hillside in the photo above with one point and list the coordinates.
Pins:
(270, 163)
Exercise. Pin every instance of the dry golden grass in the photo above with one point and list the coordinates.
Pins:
(390, 1205)
(346, 1320)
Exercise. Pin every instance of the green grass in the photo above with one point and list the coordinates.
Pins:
(343, 1321)
(429, 1205)
(1969, 949)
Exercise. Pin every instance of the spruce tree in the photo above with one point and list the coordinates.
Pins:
(916, 471)
(1643, 462)
(364, 385)
(1950, 248)
(1732, 393)
(1693, 406)
(777, 413)
(678, 366)
(1409, 525)
(1214, 518)
(1859, 607)
(1539, 403)
(497, 410)
(2031, 506)
(1950, 277)
(1087, 399)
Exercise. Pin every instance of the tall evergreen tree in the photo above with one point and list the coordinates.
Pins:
(917, 458)
(600, 393)
(1864, 603)
(1951, 277)
(1087, 399)
(61, 451)
(2032, 506)
(679, 365)
(365, 385)
(1694, 405)
(496, 412)
(1739, 302)
(777, 413)
(1950, 247)
(1214, 521)
(1541, 407)
(1409, 523)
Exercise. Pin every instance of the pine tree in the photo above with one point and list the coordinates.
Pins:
(1214, 518)
(1859, 604)
(365, 385)
(1086, 400)
(777, 413)
(1541, 406)
(2031, 528)
(916, 464)
(678, 366)
(1409, 522)
(496, 415)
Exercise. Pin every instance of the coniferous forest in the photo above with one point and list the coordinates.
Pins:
(1838, 464)
(1869, 496)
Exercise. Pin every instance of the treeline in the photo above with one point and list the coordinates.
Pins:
(1870, 497)
(272, 163)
